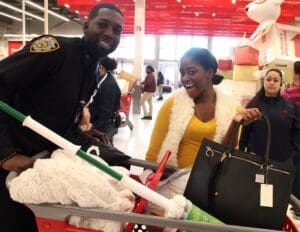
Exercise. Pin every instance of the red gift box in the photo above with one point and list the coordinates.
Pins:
(246, 56)
(225, 65)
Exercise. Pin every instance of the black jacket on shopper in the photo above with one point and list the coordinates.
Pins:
(105, 103)
(284, 119)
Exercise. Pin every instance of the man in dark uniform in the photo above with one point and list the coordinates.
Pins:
(51, 79)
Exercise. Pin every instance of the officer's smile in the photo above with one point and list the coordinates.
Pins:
(104, 44)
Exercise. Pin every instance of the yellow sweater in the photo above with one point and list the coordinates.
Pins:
(191, 140)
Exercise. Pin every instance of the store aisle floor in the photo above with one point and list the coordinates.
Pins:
(135, 142)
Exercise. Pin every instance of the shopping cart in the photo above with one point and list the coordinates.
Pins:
(57, 222)
(53, 217)
(125, 108)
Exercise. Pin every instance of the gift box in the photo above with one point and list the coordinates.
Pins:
(246, 56)
(225, 65)
(244, 72)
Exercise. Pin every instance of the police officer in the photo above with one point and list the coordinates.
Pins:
(51, 78)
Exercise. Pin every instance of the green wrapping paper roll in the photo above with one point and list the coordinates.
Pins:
(199, 215)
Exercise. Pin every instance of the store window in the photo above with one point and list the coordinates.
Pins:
(183, 43)
(149, 47)
(222, 47)
(167, 47)
(200, 41)
(125, 49)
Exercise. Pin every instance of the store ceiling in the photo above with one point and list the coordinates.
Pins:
(190, 17)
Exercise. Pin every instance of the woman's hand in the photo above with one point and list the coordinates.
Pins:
(85, 123)
(246, 116)
(98, 136)
(18, 163)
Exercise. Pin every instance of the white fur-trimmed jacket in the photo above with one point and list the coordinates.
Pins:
(181, 113)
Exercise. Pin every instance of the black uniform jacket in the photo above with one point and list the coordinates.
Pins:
(47, 79)
(284, 119)
(105, 103)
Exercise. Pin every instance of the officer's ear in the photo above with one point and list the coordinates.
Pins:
(85, 26)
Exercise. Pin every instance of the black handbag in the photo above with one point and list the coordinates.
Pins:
(236, 186)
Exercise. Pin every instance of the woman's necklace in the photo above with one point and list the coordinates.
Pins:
(206, 115)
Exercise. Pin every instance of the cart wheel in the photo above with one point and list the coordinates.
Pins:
(140, 228)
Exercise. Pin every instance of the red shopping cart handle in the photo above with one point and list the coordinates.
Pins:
(151, 183)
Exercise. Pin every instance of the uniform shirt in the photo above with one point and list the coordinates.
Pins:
(47, 79)
(191, 140)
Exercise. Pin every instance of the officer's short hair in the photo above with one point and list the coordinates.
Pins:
(94, 11)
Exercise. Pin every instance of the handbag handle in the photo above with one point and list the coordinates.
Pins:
(267, 151)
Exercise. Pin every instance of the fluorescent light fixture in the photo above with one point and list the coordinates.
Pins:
(10, 16)
(35, 35)
(19, 35)
(21, 11)
(49, 11)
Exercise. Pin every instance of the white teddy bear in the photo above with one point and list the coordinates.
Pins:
(266, 13)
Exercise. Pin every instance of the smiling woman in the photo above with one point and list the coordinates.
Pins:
(192, 113)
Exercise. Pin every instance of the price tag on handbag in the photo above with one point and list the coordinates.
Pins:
(266, 195)
(260, 178)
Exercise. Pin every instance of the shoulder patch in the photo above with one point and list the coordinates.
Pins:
(44, 44)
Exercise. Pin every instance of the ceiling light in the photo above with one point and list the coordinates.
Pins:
(19, 35)
(21, 11)
(49, 11)
(183, 6)
(76, 11)
(179, 1)
(67, 5)
(55, 8)
(85, 17)
(197, 14)
(213, 14)
(35, 35)
(10, 16)
(233, 1)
